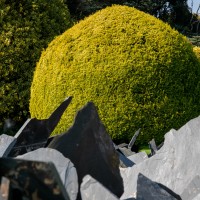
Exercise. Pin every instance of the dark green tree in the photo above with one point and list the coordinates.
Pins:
(26, 27)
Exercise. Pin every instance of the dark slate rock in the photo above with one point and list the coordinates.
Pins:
(93, 190)
(91, 149)
(138, 157)
(32, 180)
(6, 144)
(124, 161)
(174, 165)
(34, 133)
(63, 165)
(147, 189)
(192, 190)
(131, 143)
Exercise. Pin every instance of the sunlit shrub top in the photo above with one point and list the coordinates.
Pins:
(137, 70)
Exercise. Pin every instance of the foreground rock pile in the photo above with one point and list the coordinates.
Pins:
(83, 163)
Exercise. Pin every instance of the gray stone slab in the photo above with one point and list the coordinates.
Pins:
(91, 149)
(197, 197)
(174, 165)
(125, 151)
(147, 189)
(63, 165)
(6, 144)
(34, 133)
(138, 157)
(192, 190)
(93, 190)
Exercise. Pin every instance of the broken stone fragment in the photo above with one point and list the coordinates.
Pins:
(90, 148)
(93, 190)
(147, 189)
(174, 165)
(64, 166)
(6, 144)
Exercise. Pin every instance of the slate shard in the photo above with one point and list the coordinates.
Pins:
(153, 147)
(93, 190)
(32, 180)
(192, 190)
(147, 189)
(91, 150)
(131, 143)
(6, 144)
(64, 166)
(138, 157)
(124, 161)
(34, 133)
(125, 151)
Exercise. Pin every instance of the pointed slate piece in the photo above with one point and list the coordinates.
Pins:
(91, 149)
(63, 165)
(6, 144)
(130, 145)
(147, 189)
(192, 190)
(32, 180)
(34, 133)
(124, 161)
(174, 165)
(153, 147)
(138, 157)
(93, 190)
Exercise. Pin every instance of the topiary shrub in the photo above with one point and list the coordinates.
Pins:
(197, 51)
(26, 27)
(137, 70)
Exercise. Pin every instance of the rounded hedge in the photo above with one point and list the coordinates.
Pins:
(137, 70)
(197, 51)
(26, 27)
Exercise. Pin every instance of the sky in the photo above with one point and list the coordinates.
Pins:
(195, 5)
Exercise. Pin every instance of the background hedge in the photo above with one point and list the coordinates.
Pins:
(26, 27)
(138, 71)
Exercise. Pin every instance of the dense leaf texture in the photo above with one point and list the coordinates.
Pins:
(136, 69)
(26, 27)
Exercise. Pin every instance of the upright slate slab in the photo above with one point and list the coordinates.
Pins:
(153, 147)
(174, 165)
(133, 139)
(147, 189)
(91, 149)
(64, 166)
(32, 180)
(93, 190)
(6, 144)
(34, 133)
(192, 190)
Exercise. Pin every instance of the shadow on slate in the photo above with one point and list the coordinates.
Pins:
(91, 149)
(32, 180)
(34, 133)
(148, 189)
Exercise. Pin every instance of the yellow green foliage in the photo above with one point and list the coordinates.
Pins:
(197, 51)
(137, 70)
